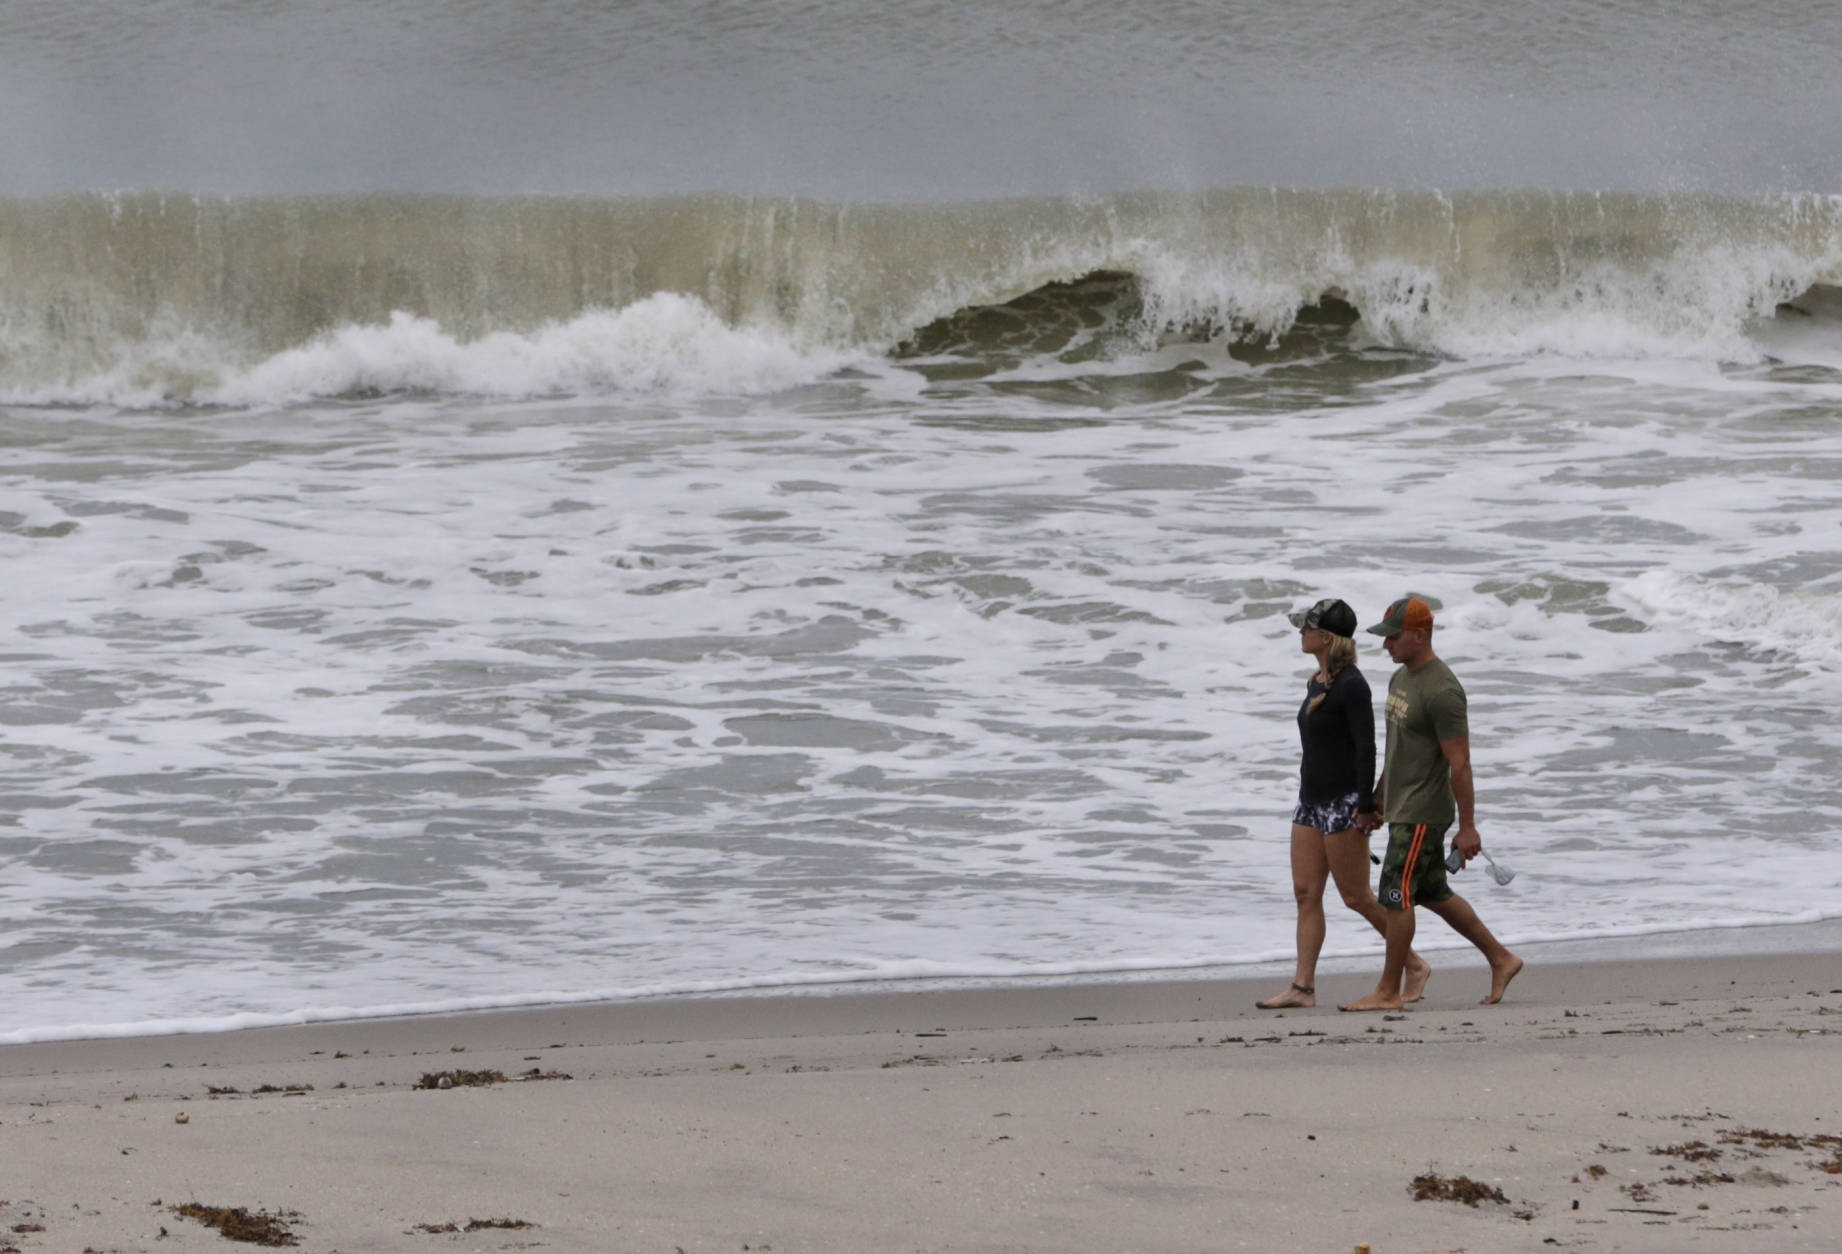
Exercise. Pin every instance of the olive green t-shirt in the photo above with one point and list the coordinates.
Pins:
(1424, 707)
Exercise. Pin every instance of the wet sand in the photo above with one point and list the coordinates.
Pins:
(1663, 1105)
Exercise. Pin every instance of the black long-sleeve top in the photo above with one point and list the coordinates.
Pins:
(1339, 741)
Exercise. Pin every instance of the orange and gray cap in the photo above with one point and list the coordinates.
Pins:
(1409, 613)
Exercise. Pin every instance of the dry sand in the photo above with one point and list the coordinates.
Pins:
(1683, 1104)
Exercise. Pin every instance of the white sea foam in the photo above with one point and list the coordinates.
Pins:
(424, 602)
(423, 702)
(1800, 623)
(1706, 936)
(665, 344)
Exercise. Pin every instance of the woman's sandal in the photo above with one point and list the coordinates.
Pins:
(1283, 1001)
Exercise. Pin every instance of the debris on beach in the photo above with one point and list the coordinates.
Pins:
(459, 1079)
(479, 1079)
(1760, 1139)
(1700, 1179)
(1436, 1188)
(474, 1225)
(286, 1090)
(1760, 1176)
(239, 1224)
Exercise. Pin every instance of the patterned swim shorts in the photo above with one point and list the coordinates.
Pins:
(1413, 871)
(1327, 816)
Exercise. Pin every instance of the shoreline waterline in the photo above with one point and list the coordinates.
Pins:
(1447, 951)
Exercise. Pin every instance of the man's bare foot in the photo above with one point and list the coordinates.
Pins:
(1297, 995)
(1375, 1001)
(1413, 982)
(1500, 978)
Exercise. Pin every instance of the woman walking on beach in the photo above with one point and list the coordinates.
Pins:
(1336, 726)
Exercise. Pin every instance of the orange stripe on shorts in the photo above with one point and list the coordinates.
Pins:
(1413, 856)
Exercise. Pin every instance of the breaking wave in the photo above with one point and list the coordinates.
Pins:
(1799, 623)
(144, 298)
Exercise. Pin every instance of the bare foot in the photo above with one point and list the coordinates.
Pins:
(1500, 978)
(1375, 1001)
(1413, 982)
(1293, 996)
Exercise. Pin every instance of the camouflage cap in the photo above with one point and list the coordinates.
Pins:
(1329, 615)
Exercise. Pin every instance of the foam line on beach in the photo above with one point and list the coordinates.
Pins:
(1814, 933)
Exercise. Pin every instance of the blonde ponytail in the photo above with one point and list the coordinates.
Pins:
(1339, 657)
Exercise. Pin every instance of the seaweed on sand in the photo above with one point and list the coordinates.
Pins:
(238, 1224)
(1436, 1188)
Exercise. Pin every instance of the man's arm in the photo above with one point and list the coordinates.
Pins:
(1458, 756)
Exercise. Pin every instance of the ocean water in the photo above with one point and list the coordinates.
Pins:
(508, 504)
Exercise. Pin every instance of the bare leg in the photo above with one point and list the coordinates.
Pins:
(1348, 852)
(1504, 965)
(1387, 994)
(1310, 871)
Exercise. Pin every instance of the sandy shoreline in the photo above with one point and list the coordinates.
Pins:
(1153, 1116)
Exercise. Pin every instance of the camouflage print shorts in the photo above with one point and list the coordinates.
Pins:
(1416, 858)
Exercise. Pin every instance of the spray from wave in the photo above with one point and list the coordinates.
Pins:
(1803, 624)
(145, 298)
(663, 343)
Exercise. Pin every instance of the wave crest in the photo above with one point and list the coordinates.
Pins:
(1797, 623)
(244, 300)
(662, 343)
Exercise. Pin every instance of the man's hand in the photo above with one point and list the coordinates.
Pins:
(1368, 820)
(1468, 843)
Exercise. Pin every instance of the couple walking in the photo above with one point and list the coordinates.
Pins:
(1425, 783)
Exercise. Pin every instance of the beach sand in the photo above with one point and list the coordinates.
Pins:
(1664, 1105)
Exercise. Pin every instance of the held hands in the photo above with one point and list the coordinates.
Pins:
(1368, 820)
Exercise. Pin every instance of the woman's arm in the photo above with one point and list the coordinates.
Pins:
(1359, 719)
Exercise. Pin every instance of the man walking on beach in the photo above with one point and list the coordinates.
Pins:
(1426, 777)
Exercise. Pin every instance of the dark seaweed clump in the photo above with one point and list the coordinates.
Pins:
(466, 1079)
(1434, 1188)
(238, 1224)
(476, 1225)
